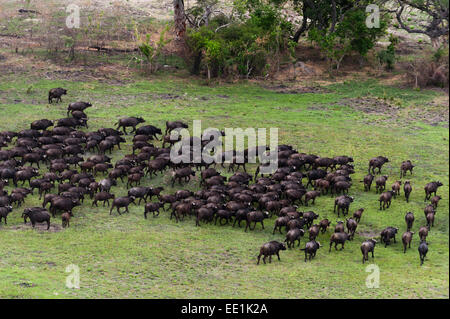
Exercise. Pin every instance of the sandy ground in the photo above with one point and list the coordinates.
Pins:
(152, 8)
(158, 9)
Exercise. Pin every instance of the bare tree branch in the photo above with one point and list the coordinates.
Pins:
(437, 11)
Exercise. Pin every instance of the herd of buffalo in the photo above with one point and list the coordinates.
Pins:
(71, 176)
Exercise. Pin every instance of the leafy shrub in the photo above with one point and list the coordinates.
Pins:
(350, 35)
(241, 46)
(151, 51)
(387, 57)
(439, 54)
(362, 38)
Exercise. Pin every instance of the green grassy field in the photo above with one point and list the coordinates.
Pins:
(129, 257)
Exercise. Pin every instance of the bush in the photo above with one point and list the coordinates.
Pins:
(362, 38)
(425, 72)
(151, 51)
(350, 35)
(439, 54)
(387, 57)
(335, 48)
(243, 47)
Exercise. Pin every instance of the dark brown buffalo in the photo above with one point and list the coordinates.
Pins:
(129, 122)
(269, 249)
(338, 238)
(406, 166)
(367, 247)
(56, 93)
(120, 202)
(406, 239)
(310, 249)
(407, 189)
(431, 188)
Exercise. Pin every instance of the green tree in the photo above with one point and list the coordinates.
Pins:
(321, 14)
(349, 35)
(244, 44)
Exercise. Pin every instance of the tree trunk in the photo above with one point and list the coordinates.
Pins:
(333, 16)
(435, 42)
(302, 28)
(179, 19)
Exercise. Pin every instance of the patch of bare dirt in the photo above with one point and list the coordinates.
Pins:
(406, 47)
(315, 107)
(101, 74)
(368, 234)
(68, 75)
(434, 112)
(158, 9)
(284, 89)
(304, 90)
(41, 227)
(370, 105)
(16, 64)
(166, 96)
